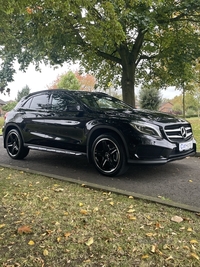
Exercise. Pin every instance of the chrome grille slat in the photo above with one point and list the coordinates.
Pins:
(180, 132)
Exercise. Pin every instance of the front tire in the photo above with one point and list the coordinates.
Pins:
(14, 145)
(108, 155)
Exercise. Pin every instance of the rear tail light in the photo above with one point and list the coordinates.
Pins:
(5, 116)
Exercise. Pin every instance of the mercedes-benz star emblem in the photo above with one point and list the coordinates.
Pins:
(183, 132)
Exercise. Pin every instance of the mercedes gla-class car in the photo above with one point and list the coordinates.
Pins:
(110, 133)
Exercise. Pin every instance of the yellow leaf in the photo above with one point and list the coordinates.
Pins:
(31, 243)
(151, 234)
(58, 239)
(111, 203)
(84, 212)
(190, 181)
(2, 225)
(90, 241)
(80, 204)
(153, 248)
(45, 252)
(67, 234)
(193, 255)
(132, 218)
(95, 209)
(130, 197)
(145, 256)
(189, 229)
(169, 258)
(193, 241)
(131, 210)
(59, 190)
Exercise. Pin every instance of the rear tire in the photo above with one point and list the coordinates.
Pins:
(108, 155)
(14, 145)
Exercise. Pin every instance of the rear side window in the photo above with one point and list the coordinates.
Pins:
(38, 102)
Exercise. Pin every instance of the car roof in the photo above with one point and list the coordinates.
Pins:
(71, 92)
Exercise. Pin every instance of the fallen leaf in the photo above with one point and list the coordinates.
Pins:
(58, 239)
(145, 256)
(190, 181)
(151, 234)
(177, 219)
(169, 258)
(130, 197)
(2, 225)
(132, 218)
(80, 204)
(153, 248)
(31, 243)
(84, 212)
(95, 209)
(111, 203)
(59, 190)
(193, 255)
(193, 241)
(67, 234)
(45, 252)
(90, 241)
(24, 229)
(131, 211)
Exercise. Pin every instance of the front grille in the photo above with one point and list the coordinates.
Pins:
(178, 132)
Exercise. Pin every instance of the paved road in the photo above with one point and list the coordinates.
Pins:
(176, 182)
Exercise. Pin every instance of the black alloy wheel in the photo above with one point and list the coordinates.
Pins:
(108, 155)
(14, 145)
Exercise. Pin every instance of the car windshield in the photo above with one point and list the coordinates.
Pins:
(100, 101)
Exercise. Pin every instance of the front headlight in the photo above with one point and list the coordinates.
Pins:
(147, 128)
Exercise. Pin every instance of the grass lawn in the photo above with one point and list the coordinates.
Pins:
(50, 223)
(1, 124)
(196, 130)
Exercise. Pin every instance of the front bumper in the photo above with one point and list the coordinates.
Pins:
(159, 152)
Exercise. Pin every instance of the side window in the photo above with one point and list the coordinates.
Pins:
(27, 104)
(40, 102)
(62, 102)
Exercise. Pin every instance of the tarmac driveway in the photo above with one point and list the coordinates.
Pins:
(176, 183)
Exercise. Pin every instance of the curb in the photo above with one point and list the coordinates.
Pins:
(110, 189)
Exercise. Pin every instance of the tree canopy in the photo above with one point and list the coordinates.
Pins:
(129, 41)
(68, 81)
(24, 92)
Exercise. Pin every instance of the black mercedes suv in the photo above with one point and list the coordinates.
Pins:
(109, 132)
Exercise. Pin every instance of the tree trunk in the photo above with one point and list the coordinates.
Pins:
(183, 102)
(128, 83)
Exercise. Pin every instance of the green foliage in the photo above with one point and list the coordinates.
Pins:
(9, 106)
(24, 92)
(69, 81)
(120, 40)
(150, 98)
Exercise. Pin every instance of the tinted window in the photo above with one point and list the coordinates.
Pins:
(62, 102)
(40, 101)
(27, 103)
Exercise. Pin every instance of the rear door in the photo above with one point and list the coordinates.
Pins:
(34, 113)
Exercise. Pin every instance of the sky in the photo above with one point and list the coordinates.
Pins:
(40, 80)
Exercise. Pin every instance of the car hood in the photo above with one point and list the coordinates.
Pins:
(145, 115)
